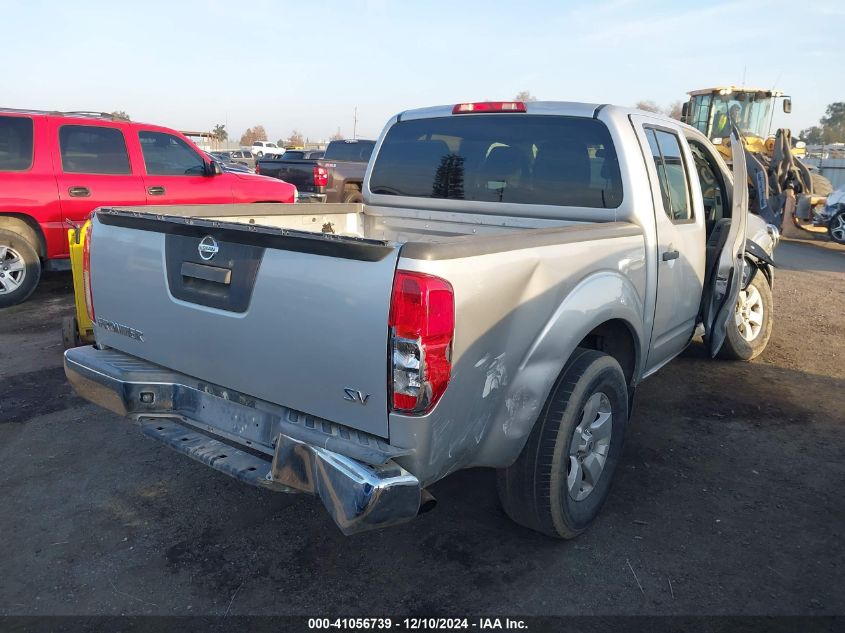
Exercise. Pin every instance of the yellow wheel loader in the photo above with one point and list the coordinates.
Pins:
(780, 184)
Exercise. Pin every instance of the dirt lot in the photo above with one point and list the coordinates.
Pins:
(729, 500)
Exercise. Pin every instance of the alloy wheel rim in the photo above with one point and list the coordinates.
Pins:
(12, 270)
(837, 227)
(589, 447)
(749, 313)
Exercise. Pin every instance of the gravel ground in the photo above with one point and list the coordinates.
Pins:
(729, 499)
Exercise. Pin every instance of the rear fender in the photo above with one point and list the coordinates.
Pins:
(27, 227)
(584, 309)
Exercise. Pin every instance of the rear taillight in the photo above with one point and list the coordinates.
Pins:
(422, 326)
(86, 271)
(489, 106)
(257, 169)
(321, 176)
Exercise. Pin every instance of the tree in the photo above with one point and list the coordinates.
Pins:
(833, 123)
(120, 115)
(675, 110)
(220, 132)
(295, 139)
(524, 95)
(253, 134)
(337, 136)
(831, 128)
(812, 135)
(648, 106)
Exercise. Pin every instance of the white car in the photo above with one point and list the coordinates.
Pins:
(262, 148)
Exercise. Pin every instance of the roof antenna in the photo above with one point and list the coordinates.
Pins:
(744, 68)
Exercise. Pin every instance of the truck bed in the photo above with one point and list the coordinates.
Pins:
(339, 222)
(285, 289)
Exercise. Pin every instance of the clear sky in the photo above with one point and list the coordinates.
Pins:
(307, 64)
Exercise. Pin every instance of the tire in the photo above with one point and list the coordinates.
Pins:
(836, 228)
(821, 185)
(757, 299)
(353, 195)
(535, 491)
(260, 154)
(20, 268)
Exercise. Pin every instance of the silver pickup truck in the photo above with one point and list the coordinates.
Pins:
(514, 273)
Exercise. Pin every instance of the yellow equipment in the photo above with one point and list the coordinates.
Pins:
(77, 330)
(711, 111)
(780, 184)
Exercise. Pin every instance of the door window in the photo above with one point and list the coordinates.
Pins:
(671, 171)
(15, 143)
(93, 149)
(168, 155)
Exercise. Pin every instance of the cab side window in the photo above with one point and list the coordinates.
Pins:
(93, 149)
(168, 155)
(671, 171)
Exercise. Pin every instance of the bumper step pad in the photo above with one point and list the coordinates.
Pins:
(232, 461)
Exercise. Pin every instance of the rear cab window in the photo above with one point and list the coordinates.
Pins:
(93, 149)
(16, 143)
(351, 151)
(521, 159)
(169, 155)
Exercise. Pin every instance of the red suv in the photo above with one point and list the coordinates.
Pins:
(56, 168)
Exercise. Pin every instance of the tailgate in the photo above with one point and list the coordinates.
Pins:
(290, 317)
(299, 174)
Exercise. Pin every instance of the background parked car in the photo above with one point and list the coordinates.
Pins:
(299, 154)
(243, 156)
(226, 164)
(266, 148)
(337, 176)
(56, 168)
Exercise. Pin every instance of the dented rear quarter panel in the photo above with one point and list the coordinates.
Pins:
(517, 322)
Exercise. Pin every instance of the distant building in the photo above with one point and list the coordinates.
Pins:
(204, 140)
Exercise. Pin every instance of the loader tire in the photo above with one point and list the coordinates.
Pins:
(821, 185)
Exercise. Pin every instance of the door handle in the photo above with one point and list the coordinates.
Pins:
(670, 255)
(78, 192)
(156, 191)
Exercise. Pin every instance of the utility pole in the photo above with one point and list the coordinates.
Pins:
(355, 123)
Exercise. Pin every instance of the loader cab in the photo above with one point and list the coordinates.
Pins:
(712, 111)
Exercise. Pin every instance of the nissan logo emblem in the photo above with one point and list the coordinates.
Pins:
(208, 247)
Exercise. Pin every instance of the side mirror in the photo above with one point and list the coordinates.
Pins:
(787, 105)
(684, 111)
(213, 168)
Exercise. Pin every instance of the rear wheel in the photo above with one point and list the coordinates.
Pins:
(836, 228)
(561, 479)
(20, 268)
(751, 329)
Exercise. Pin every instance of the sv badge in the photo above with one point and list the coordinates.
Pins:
(353, 395)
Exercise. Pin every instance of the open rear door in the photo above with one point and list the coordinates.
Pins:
(724, 287)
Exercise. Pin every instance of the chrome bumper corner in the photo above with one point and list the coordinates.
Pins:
(359, 496)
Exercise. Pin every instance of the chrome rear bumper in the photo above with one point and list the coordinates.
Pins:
(353, 473)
